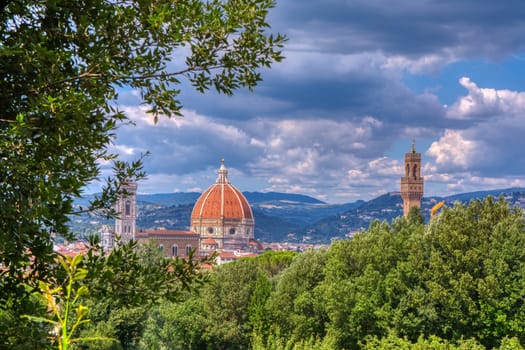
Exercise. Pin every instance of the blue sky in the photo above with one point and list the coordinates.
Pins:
(361, 79)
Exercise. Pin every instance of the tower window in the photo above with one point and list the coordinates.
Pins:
(415, 171)
(128, 207)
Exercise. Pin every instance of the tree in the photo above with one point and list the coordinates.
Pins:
(475, 270)
(127, 282)
(228, 313)
(179, 325)
(66, 306)
(294, 307)
(227, 301)
(415, 216)
(62, 65)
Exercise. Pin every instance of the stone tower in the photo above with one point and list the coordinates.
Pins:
(412, 182)
(127, 212)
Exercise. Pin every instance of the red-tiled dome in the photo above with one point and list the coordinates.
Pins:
(222, 201)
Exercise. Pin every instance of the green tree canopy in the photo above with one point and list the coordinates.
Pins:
(62, 64)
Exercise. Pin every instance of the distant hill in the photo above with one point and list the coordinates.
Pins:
(482, 194)
(260, 197)
(169, 199)
(288, 217)
(390, 206)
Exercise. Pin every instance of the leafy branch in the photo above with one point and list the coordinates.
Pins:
(62, 301)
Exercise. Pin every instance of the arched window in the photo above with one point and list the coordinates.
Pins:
(188, 249)
(174, 250)
(414, 171)
(128, 207)
(407, 171)
(161, 247)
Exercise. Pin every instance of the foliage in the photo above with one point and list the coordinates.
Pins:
(456, 283)
(475, 271)
(225, 314)
(415, 216)
(175, 326)
(18, 332)
(453, 284)
(67, 312)
(63, 65)
(226, 302)
(126, 282)
(134, 274)
(391, 342)
(433, 343)
(294, 306)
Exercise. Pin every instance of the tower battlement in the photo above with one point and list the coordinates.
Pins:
(412, 184)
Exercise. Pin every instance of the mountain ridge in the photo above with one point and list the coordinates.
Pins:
(290, 217)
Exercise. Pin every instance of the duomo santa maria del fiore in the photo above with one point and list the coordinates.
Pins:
(221, 221)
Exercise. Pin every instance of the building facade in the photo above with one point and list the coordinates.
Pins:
(173, 243)
(412, 184)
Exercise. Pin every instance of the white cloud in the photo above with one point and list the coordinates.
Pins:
(488, 152)
(125, 150)
(430, 63)
(453, 150)
(485, 102)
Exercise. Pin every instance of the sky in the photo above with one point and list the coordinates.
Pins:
(361, 80)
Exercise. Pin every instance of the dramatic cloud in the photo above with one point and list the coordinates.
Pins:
(445, 28)
(493, 144)
(361, 80)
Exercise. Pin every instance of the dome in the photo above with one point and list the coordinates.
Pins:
(223, 214)
(222, 200)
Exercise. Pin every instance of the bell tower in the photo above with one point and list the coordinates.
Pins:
(412, 182)
(126, 209)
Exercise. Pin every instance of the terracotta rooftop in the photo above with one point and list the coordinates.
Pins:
(209, 241)
(161, 232)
